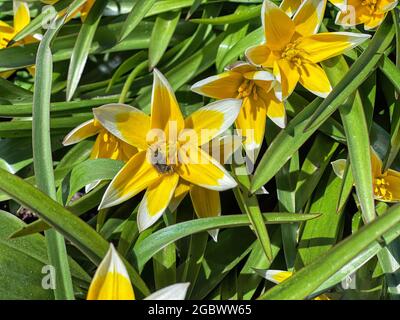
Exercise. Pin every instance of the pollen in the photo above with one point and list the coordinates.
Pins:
(293, 54)
(371, 5)
(246, 89)
(381, 189)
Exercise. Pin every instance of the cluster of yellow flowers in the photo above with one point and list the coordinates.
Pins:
(247, 93)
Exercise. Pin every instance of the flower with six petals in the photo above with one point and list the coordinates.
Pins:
(169, 149)
(111, 282)
(294, 49)
(256, 88)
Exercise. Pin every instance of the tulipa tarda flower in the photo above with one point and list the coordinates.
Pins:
(386, 184)
(7, 33)
(169, 149)
(278, 276)
(370, 13)
(111, 282)
(293, 48)
(256, 88)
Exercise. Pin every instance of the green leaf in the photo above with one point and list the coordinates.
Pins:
(155, 242)
(13, 93)
(87, 240)
(22, 263)
(82, 46)
(304, 282)
(43, 161)
(91, 171)
(357, 74)
(161, 35)
(137, 13)
(247, 13)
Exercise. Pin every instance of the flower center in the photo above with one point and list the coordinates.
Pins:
(246, 89)
(293, 54)
(370, 4)
(381, 189)
(164, 157)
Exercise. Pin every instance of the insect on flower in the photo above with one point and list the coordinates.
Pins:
(111, 282)
(256, 88)
(293, 48)
(173, 142)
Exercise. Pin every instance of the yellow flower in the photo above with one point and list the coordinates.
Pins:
(111, 282)
(107, 146)
(169, 149)
(278, 276)
(386, 184)
(371, 13)
(256, 89)
(293, 48)
(7, 33)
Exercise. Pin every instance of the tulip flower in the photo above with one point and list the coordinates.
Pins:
(256, 88)
(370, 13)
(278, 276)
(111, 282)
(7, 33)
(386, 184)
(294, 49)
(169, 149)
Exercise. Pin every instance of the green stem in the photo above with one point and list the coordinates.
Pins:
(43, 162)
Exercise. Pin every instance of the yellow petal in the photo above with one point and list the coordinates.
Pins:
(222, 86)
(180, 193)
(165, 110)
(241, 67)
(309, 17)
(108, 146)
(314, 78)
(277, 276)
(81, 132)
(341, 4)
(156, 200)
(262, 55)
(278, 27)
(134, 177)
(393, 180)
(6, 34)
(251, 121)
(206, 203)
(322, 46)
(125, 122)
(198, 168)
(111, 280)
(290, 6)
(211, 120)
(374, 21)
(287, 75)
(21, 15)
(86, 8)
(275, 108)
